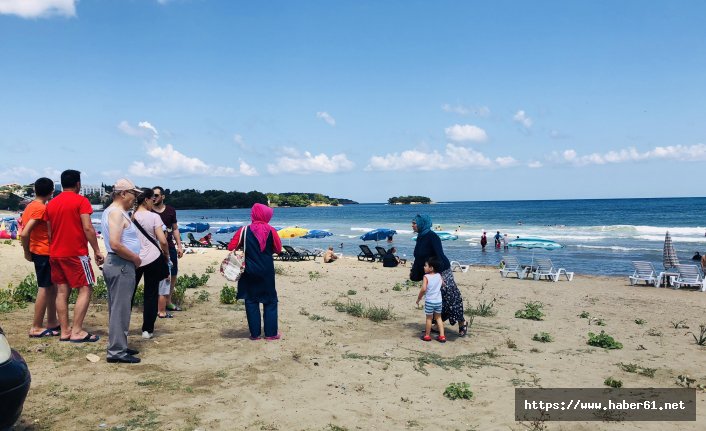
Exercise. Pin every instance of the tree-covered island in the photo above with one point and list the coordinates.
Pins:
(407, 200)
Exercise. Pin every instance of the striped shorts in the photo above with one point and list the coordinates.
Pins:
(432, 307)
(74, 271)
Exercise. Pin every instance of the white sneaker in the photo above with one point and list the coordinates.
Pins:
(147, 335)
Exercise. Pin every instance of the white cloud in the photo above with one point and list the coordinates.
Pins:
(292, 161)
(522, 118)
(169, 162)
(481, 111)
(466, 132)
(453, 157)
(326, 117)
(143, 130)
(691, 153)
(25, 175)
(534, 164)
(38, 8)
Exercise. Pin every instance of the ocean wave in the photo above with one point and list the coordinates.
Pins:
(616, 248)
(675, 239)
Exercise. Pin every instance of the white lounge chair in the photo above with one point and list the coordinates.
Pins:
(644, 271)
(689, 275)
(455, 265)
(512, 265)
(545, 268)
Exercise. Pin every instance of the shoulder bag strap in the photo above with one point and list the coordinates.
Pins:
(142, 230)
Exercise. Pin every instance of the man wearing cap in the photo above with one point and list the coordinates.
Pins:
(169, 218)
(123, 247)
(68, 218)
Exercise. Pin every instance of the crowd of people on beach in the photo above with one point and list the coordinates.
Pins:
(141, 240)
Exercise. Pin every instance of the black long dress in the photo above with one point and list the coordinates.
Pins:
(258, 281)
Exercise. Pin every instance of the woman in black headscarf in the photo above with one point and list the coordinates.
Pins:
(428, 245)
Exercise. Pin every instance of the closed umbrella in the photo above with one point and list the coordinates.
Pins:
(444, 236)
(378, 234)
(669, 254)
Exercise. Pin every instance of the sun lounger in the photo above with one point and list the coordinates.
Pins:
(220, 245)
(292, 254)
(689, 275)
(192, 241)
(545, 268)
(644, 271)
(512, 265)
(366, 253)
(455, 265)
(381, 252)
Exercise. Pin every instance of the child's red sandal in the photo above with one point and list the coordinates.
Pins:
(441, 339)
(426, 338)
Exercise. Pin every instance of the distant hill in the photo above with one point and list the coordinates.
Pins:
(406, 200)
(305, 200)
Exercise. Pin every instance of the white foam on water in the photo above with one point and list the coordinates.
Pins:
(616, 248)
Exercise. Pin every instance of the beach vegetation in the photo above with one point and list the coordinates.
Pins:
(334, 427)
(194, 199)
(7, 300)
(603, 340)
(191, 281)
(351, 292)
(279, 270)
(511, 343)
(543, 337)
(26, 291)
(406, 200)
(228, 294)
(100, 290)
(483, 309)
(584, 315)
(8, 242)
(139, 297)
(379, 313)
(613, 383)
(456, 391)
(596, 321)
(654, 332)
(303, 312)
(314, 275)
(179, 293)
(317, 318)
(680, 324)
(535, 350)
(202, 296)
(210, 269)
(397, 287)
(701, 339)
(637, 369)
(640, 321)
(532, 311)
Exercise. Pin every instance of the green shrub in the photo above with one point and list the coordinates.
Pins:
(378, 314)
(640, 321)
(202, 296)
(179, 294)
(483, 309)
(351, 292)
(532, 311)
(613, 383)
(584, 315)
(603, 340)
(26, 291)
(397, 287)
(191, 281)
(543, 337)
(352, 307)
(100, 290)
(210, 270)
(7, 302)
(228, 294)
(456, 391)
(139, 298)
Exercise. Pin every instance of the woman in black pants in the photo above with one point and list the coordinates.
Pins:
(154, 254)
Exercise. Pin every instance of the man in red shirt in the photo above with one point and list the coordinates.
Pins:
(69, 219)
(35, 242)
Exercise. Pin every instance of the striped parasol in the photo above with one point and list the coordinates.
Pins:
(669, 254)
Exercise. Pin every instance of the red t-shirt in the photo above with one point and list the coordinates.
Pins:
(64, 216)
(39, 238)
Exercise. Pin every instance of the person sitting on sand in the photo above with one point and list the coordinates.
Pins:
(697, 256)
(431, 292)
(390, 260)
(329, 255)
(206, 240)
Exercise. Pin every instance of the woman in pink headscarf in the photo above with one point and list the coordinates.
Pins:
(257, 284)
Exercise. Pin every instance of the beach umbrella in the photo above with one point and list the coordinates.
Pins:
(292, 232)
(187, 228)
(378, 234)
(228, 229)
(534, 243)
(316, 233)
(444, 236)
(199, 227)
(669, 254)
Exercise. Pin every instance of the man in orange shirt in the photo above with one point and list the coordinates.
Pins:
(35, 242)
(69, 217)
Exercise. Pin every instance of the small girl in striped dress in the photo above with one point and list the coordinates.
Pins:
(431, 291)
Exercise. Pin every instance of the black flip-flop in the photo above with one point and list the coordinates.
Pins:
(166, 316)
(49, 332)
(89, 338)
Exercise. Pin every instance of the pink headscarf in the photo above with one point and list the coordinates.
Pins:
(261, 216)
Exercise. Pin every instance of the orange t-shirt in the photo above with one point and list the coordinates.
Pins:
(39, 238)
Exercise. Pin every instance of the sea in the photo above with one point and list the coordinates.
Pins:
(600, 236)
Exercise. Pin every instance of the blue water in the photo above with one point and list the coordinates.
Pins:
(601, 236)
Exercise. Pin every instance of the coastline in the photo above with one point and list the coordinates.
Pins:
(334, 368)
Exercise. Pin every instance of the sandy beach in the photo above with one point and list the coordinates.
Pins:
(335, 371)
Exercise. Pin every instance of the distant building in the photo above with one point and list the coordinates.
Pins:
(89, 189)
(58, 188)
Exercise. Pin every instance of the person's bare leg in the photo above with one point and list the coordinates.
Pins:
(62, 309)
(439, 325)
(52, 320)
(171, 289)
(162, 305)
(80, 310)
(40, 306)
(427, 331)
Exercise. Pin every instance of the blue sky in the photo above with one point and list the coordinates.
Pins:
(455, 100)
